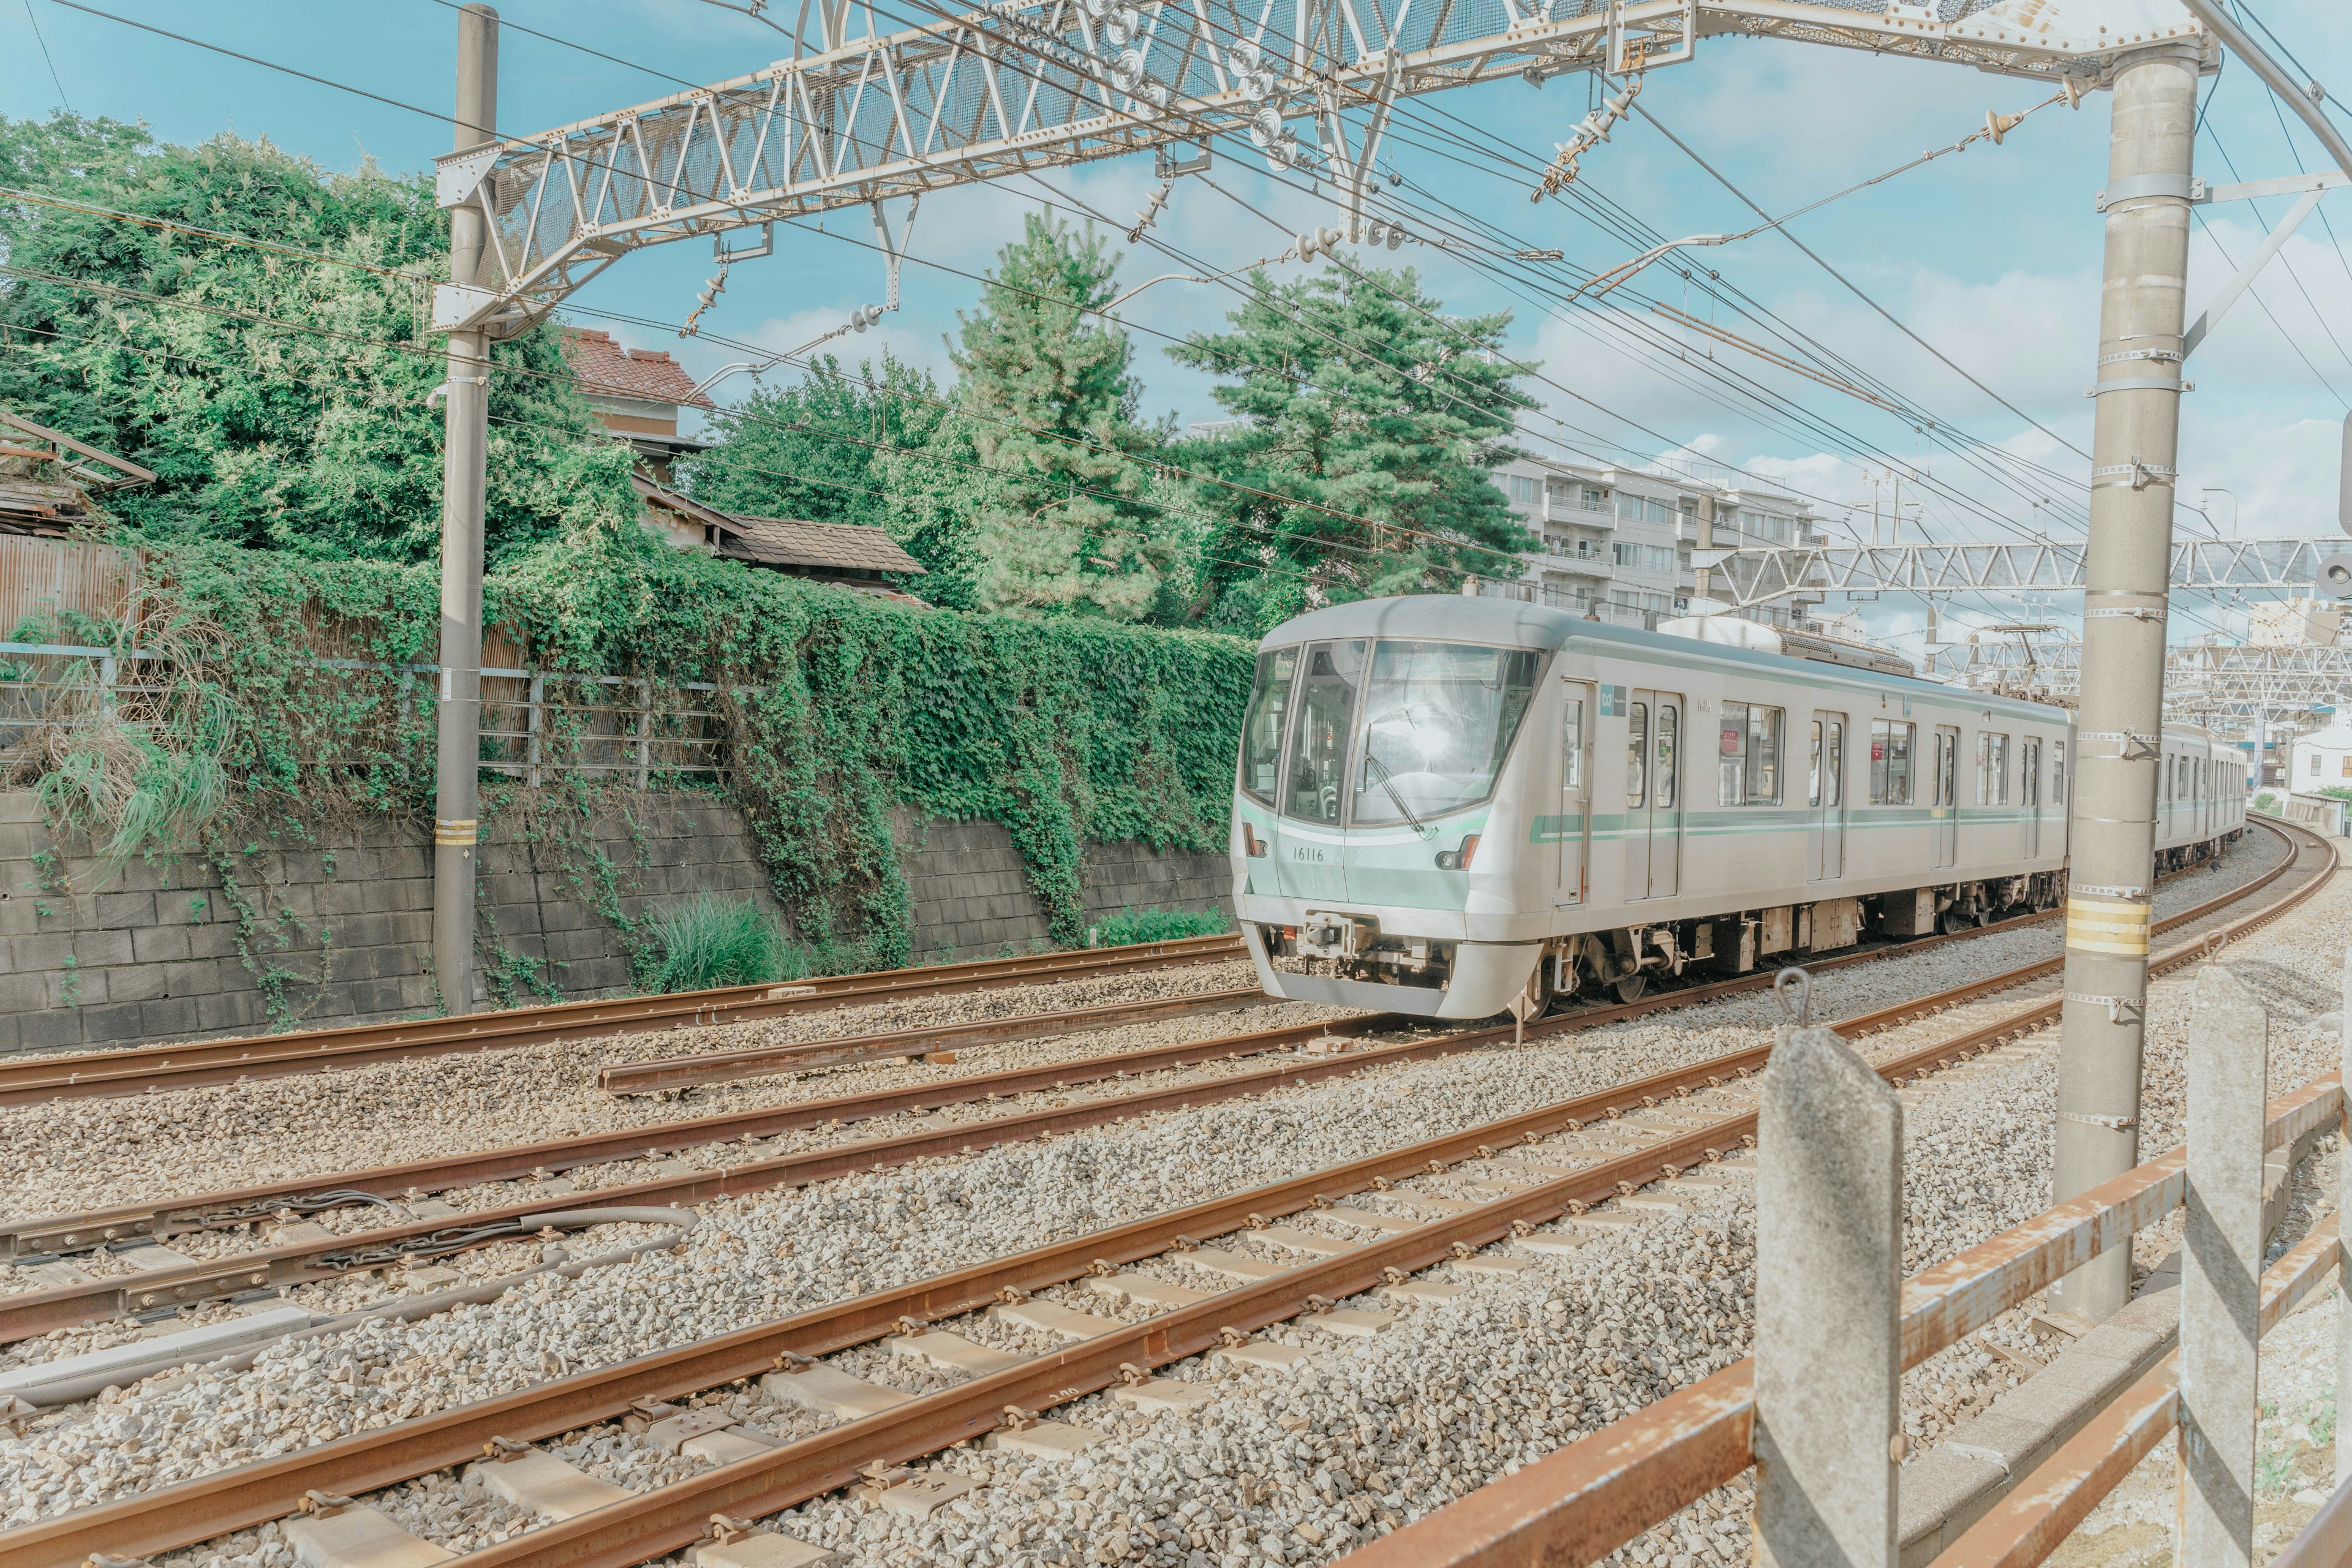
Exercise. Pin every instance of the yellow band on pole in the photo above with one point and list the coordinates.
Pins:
(2107, 925)
(461, 830)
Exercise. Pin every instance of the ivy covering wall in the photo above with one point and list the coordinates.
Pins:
(290, 688)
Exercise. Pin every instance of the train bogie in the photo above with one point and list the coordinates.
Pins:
(1447, 806)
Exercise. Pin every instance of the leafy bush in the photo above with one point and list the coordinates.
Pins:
(1155, 924)
(710, 940)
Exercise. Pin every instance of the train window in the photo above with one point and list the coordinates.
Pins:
(1992, 769)
(1318, 756)
(2180, 777)
(1748, 755)
(1637, 754)
(2057, 773)
(1890, 762)
(1669, 740)
(1571, 742)
(1439, 719)
(1269, 705)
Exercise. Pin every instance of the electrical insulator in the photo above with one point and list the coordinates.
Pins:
(1999, 125)
(1266, 128)
(864, 316)
(1123, 26)
(1317, 242)
(1127, 71)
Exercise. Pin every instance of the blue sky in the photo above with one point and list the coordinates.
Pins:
(1990, 255)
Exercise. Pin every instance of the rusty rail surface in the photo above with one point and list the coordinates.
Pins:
(1514, 1516)
(2037, 1516)
(651, 1524)
(759, 1062)
(27, 1313)
(34, 1079)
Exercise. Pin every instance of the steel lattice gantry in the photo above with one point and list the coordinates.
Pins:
(2203, 682)
(968, 98)
(1745, 577)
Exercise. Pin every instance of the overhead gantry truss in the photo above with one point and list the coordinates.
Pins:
(1745, 577)
(2203, 682)
(1014, 87)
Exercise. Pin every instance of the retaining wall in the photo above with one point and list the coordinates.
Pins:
(151, 953)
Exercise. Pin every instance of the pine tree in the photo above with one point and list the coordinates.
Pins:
(1362, 401)
(1050, 388)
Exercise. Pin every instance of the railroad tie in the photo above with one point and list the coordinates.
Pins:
(536, 1480)
(336, 1532)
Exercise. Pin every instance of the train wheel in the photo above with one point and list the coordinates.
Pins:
(1630, 989)
(1953, 921)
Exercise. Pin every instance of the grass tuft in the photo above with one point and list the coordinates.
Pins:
(710, 939)
(1155, 924)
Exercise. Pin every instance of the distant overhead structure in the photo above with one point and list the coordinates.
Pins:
(2225, 685)
(1756, 576)
(856, 115)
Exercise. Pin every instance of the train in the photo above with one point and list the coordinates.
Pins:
(1454, 807)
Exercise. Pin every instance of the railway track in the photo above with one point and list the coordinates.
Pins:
(158, 1291)
(1680, 1127)
(34, 1080)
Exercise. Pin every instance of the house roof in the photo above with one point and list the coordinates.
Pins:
(838, 546)
(784, 541)
(46, 478)
(606, 369)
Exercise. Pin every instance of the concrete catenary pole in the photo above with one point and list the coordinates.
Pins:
(456, 784)
(2134, 450)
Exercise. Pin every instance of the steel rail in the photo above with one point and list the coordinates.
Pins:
(28, 1313)
(649, 1524)
(43, 1237)
(2037, 1515)
(762, 1061)
(37, 1079)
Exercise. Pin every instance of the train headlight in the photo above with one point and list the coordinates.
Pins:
(1458, 859)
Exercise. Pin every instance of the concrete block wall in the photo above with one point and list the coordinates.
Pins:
(971, 895)
(149, 954)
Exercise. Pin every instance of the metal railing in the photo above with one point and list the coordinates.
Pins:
(1816, 1410)
(534, 722)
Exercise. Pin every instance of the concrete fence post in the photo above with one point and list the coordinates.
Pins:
(1828, 1283)
(2220, 1283)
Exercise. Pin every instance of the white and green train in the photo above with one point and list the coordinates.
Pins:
(1450, 806)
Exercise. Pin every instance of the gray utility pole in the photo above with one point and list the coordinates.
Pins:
(2135, 447)
(455, 782)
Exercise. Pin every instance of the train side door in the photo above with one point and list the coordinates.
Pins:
(2031, 760)
(1572, 829)
(1653, 801)
(1945, 798)
(1825, 795)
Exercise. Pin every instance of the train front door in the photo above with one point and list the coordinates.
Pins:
(1825, 795)
(1654, 798)
(1944, 796)
(2030, 753)
(1570, 830)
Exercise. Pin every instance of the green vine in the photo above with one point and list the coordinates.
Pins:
(833, 708)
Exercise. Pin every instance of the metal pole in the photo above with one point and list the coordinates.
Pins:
(2134, 445)
(457, 793)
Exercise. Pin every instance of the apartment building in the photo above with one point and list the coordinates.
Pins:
(1615, 543)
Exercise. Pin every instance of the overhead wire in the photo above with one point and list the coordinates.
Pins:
(397, 103)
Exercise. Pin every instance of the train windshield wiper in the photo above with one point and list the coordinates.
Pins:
(1387, 782)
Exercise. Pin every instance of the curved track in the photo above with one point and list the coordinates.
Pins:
(1608, 1144)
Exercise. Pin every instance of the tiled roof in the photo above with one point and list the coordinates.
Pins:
(607, 369)
(795, 541)
(785, 541)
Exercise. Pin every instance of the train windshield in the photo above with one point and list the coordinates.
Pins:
(1269, 705)
(1439, 719)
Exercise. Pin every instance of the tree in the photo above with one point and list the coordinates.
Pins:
(857, 447)
(1372, 423)
(282, 401)
(813, 450)
(1050, 389)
